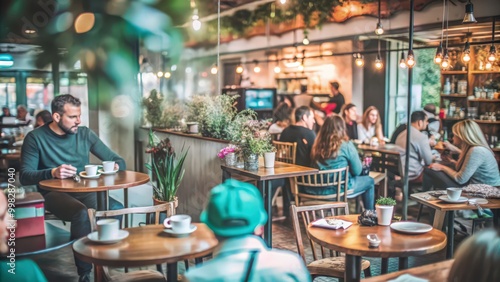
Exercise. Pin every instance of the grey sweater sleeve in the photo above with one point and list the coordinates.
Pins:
(472, 161)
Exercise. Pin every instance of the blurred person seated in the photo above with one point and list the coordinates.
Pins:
(59, 150)
(371, 126)
(350, 116)
(476, 162)
(21, 270)
(434, 123)
(301, 132)
(5, 113)
(281, 119)
(23, 116)
(42, 118)
(332, 150)
(420, 149)
(477, 258)
(235, 213)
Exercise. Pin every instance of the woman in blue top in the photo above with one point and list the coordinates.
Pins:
(332, 150)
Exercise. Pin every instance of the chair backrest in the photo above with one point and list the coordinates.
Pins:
(167, 207)
(308, 215)
(285, 151)
(382, 162)
(335, 178)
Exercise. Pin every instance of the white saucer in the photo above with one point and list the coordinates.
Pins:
(479, 201)
(409, 227)
(192, 228)
(460, 200)
(122, 234)
(108, 172)
(84, 175)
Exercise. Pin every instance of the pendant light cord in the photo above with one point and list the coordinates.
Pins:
(379, 1)
(447, 26)
(218, 49)
(442, 22)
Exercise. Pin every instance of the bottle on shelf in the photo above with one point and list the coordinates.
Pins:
(452, 109)
(453, 84)
(445, 134)
(447, 87)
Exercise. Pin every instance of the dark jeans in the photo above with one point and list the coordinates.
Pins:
(73, 207)
(436, 180)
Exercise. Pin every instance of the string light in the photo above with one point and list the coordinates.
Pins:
(359, 61)
(379, 30)
(214, 69)
(283, 2)
(256, 69)
(196, 20)
(378, 63)
(239, 69)
(167, 74)
(159, 74)
(277, 69)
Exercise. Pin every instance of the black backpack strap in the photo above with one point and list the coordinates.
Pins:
(250, 264)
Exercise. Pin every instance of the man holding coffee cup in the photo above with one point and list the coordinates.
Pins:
(235, 213)
(61, 149)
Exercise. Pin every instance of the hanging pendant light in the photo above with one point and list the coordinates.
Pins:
(379, 30)
(439, 55)
(306, 41)
(487, 66)
(214, 69)
(446, 60)
(438, 58)
(256, 68)
(277, 69)
(493, 50)
(469, 14)
(359, 61)
(239, 68)
(466, 52)
(378, 63)
(402, 61)
(410, 60)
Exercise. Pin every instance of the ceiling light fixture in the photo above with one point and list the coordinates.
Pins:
(445, 64)
(438, 58)
(469, 14)
(493, 50)
(410, 59)
(466, 52)
(359, 61)
(256, 69)
(379, 30)
(378, 60)
(487, 66)
(446, 60)
(239, 68)
(402, 61)
(214, 69)
(196, 23)
(277, 69)
(283, 2)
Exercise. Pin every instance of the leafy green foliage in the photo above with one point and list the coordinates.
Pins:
(427, 73)
(383, 201)
(166, 167)
(153, 105)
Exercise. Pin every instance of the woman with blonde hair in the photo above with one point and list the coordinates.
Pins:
(332, 150)
(370, 126)
(476, 162)
(478, 258)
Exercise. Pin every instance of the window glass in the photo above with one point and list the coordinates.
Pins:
(8, 92)
(39, 93)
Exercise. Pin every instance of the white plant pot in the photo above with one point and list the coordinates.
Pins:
(384, 214)
(269, 159)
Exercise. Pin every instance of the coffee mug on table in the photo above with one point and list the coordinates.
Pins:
(453, 193)
(180, 223)
(91, 170)
(108, 166)
(107, 229)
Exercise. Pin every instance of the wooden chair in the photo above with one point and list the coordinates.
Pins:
(324, 178)
(326, 264)
(139, 275)
(285, 152)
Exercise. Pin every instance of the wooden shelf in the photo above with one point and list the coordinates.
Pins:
(454, 72)
(484, 72)
(454, 95)
(486, 121)
(291, 78)
(486, 100)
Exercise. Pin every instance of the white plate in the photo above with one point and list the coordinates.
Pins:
(446, 199)
(192, 228)
(410, 227)
(479, 201)
(107, 173)
(84, 175)
(122, 234)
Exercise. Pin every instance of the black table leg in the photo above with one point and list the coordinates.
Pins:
(352, 268)
(450, 234)
(198, 260)
(496, 217)
(102, 201)
(384, 268)
(403, 263)
(265, 188)
(172, 272)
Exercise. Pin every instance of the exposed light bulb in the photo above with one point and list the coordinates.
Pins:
(493, 51)
(239, 69)
(159, 74)
(466, 52)
(256, 69)
(359, 61)
(196, 20)
(301, 67)
(277, 69)
(410, 60)
(402, 61)
(466, 57)
(438, 58)
(214, 69)
(378, 63)
(167, 74)
(283, 1)
(487, 65)
(445, 63)
(305, 41)
(379, 30)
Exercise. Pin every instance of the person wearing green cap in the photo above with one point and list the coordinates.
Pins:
(235, 213)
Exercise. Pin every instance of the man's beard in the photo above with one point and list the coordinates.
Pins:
(66, 130)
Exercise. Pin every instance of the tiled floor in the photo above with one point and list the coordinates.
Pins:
(58, 266)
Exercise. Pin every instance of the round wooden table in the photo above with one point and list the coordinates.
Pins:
(148, 245)
(102, 185)
(53, 239)
(353, 242)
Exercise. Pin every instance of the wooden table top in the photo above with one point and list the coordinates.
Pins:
(119, 180)
(353, 240)
(280, 170)
(433, 202)
(147, 245)
(435, 272)
(53, 239)
(386, 148)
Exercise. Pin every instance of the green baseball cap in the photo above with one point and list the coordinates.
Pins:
(235, 208)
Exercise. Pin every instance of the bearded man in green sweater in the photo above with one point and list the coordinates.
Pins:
(61, 149)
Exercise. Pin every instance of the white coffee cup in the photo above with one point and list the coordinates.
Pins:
(454, 193)
(180, 223)
(107, 229)
(91, 170)
(108, 166)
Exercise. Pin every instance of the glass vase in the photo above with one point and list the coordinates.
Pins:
(251, 162)
(230, 159)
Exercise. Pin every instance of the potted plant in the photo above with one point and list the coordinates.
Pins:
(255, 141)
(153, 105)
(229, 154)
(167, 169)
(269, 156)
(385, 208)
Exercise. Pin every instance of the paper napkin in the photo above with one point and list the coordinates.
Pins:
(324, 224)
